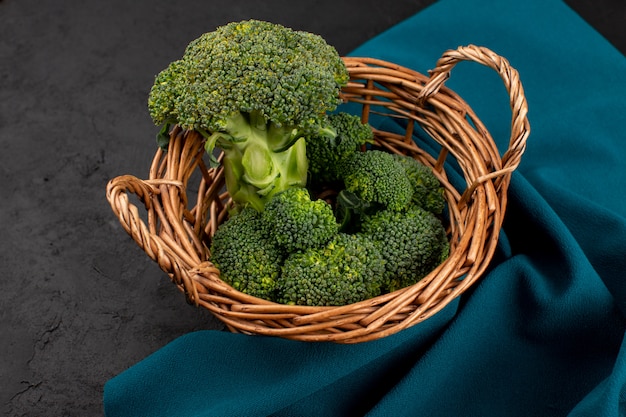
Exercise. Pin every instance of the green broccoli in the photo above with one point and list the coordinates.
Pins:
(427, 190)
(412, 242)
(326, 154)
(376, 177)
(246, 257)
(297, 223)
(256, 90)
(347, 270)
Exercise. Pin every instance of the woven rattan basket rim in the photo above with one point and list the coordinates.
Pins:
(174, 229)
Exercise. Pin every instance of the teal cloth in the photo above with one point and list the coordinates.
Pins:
(541, 335)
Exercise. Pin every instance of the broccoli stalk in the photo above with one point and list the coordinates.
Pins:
(261, 160)
(256, 90)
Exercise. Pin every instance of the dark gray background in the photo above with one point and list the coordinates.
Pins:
(79, 301)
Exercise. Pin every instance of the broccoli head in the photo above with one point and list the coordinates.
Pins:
(347, 270)
(247, 259)
(413, 242)
(296, 222)
(326, 153)
(376, 177)
(254, 89)
(427, 190)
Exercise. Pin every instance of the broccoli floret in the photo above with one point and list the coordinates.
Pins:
(296, 222)
(327, 153)
(428, 192)
(256, 90)
(413, 243)
(376, 177)
(247, 259)
(347, 270)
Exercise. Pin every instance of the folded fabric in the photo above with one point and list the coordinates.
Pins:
(542, 334)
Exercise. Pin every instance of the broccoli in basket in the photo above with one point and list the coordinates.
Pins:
(377, 178)
(326, 268)
(294, 251)
(256, 90)
(412, 242)
(427, 190)
(246, 257)
(347, 270)
(327, 154)
(295, 222)
(266, 95)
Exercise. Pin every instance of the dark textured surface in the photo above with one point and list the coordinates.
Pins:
(80, 302)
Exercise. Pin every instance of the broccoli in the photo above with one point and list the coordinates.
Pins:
(413, 243)
(297, 223)
(347, 270)
(256, 90)
(326, 154)
(376, 177)
(264, 95)
(427, 190)
(244, 254)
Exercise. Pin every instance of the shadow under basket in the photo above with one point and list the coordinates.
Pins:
(184, 202)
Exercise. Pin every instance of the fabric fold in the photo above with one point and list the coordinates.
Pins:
(221, 374)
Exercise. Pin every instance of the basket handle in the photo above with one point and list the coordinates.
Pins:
(520, 128)
(117, 193)
(156, 245)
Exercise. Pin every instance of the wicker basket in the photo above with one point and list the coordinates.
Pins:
(185, 202)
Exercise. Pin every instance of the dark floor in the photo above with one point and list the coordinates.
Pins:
(79, 301)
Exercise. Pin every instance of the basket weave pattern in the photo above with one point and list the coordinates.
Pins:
(185, 201)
